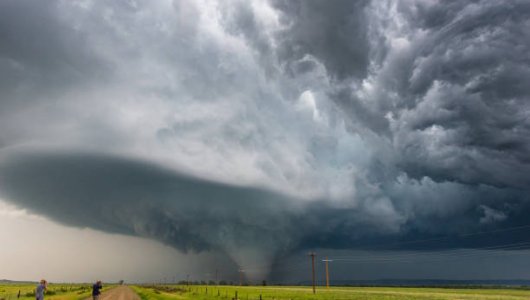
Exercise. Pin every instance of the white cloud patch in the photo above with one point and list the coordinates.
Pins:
(491, 215)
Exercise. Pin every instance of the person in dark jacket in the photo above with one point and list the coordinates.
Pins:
(96, 290)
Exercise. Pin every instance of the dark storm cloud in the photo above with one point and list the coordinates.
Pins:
(460, 83)
(128, 196)
(42, 58)
(40, 51)
(133, 197)
(446, 93)
(434, 96)
(467, 89)
(334, 32)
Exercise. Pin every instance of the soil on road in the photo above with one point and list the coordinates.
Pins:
(119, 293)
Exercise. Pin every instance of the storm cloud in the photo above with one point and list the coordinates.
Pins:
(254, 127)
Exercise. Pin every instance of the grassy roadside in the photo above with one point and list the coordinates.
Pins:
(54, 292)
(158, 293)
(161, 292)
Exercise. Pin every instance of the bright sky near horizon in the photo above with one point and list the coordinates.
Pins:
(34, 248)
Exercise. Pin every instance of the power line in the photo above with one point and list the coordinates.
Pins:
(405, 257)
(464, 235)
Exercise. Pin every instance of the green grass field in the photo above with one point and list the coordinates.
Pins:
(55, 291)
(334, 293)
(161, 292)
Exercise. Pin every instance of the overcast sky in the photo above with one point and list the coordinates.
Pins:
(149, 139)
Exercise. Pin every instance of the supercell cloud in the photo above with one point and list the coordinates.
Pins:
(252, 127)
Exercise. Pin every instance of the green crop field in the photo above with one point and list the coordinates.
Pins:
(334, 293)
(161, 292)
(54, 292)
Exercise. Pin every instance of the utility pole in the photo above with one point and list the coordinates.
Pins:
(327, 271)
(216, 277)
(241, 276)
(312, 254)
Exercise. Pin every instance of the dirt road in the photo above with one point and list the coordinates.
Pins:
(119, 293)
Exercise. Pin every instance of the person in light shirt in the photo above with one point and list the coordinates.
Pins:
(39, 290)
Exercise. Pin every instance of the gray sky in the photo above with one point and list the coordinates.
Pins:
(226, 133)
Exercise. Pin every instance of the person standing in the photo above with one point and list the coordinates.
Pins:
(96, 290)
(39, 290)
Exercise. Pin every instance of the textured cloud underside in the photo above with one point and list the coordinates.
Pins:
(277, 125)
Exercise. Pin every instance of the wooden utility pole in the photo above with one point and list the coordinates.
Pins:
(327, 271)
(216, 277)
(312, 254)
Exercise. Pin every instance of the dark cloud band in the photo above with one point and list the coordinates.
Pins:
(133, 197)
